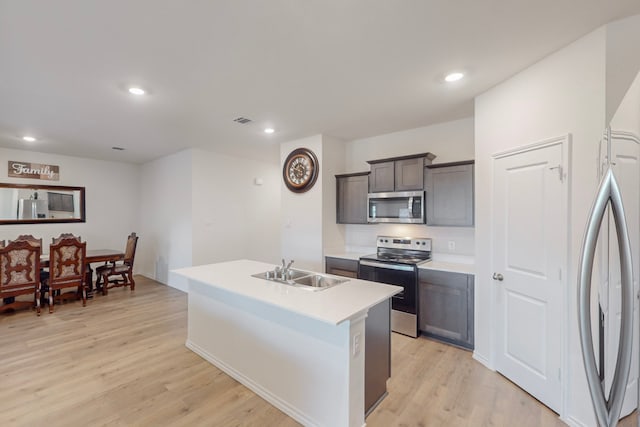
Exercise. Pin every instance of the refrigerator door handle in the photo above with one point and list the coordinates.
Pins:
(607, 410)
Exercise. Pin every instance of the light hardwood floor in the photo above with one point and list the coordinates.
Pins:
(121, 361)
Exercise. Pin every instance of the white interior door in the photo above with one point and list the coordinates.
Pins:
(625, 154)
(529, 255)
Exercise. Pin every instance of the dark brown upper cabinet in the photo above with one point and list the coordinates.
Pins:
(404, 173)
(450, 199)
(352, 198)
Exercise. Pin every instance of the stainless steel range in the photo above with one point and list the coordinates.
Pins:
(396, 263)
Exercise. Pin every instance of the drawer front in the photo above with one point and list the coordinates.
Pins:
(341, 267)
(444, 278)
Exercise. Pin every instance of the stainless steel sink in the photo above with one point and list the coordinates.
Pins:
(294, 274)
(302, 279)
(274, 276)
(319, 281)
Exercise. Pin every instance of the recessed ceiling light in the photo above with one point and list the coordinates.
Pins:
(29, 138)
(269, 130)
(453, 77)
(134, 90)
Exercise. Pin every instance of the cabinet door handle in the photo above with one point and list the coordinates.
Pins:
(497, 276)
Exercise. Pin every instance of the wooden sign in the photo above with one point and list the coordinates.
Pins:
(34, 171)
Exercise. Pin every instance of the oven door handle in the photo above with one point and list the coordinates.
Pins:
(387, 266)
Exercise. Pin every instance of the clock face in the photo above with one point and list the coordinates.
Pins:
(300, 170)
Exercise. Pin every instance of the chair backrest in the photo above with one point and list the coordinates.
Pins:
(55, 240)
(130, 250)
(28, 238)
(1, 243)
(67, 261)
(19, 269)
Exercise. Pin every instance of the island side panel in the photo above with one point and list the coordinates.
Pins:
(307, 368)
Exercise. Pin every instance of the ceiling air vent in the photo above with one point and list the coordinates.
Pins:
(242, 120)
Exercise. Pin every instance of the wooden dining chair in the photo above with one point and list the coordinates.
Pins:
(67, 269)
(34, 242)
(62, 236)
(28, 238)
(122, 271)
(19, 275)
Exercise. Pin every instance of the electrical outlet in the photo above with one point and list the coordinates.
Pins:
(452, 246)
(356, 344)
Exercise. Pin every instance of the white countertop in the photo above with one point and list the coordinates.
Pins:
(354, 256)
(333, 305)
(452, 267)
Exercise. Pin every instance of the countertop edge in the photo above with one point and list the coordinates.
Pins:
(292, 305)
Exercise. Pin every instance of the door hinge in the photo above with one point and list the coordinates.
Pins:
(559, 375)
(560, 171)
(560, 274)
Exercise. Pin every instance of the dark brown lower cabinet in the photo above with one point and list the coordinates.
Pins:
(377, 354)
(377, 338)
(446, 306)
(341, 267)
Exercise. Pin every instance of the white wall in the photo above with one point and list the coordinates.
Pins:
(622, 60)
(562, 94)
(200, 207)
(165, 211)
(626, 117)
(301, 224)
(112, 200)
(333, 160)
(233, 218)
(450, 141)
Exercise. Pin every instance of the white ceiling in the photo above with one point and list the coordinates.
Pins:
(345, 68)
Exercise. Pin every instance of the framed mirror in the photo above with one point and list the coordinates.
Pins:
(35, 204)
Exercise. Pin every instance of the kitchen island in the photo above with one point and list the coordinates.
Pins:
(303, 351)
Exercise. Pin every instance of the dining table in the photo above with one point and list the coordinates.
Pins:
(92, 256)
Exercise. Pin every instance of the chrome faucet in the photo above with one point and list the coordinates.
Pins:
(284, 271)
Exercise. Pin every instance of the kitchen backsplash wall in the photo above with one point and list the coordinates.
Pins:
(452, 241)
(450, 142)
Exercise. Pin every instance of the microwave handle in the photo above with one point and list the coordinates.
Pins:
(410, 205)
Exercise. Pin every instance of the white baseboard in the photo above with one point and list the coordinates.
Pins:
(483, 360)
(179, 287)
(285, 407)
(573, 422)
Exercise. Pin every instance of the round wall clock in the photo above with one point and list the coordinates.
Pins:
(300, 170)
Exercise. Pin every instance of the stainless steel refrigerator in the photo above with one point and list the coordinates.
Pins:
(610, 260)
(32, 209)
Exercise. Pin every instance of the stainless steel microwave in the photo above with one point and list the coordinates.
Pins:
(404, 207)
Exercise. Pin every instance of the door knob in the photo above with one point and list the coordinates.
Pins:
(497, 276)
